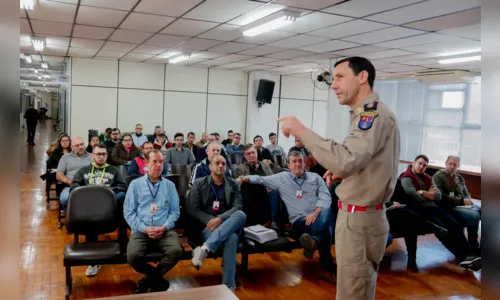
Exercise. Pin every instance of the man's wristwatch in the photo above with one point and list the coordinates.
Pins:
(421, 192)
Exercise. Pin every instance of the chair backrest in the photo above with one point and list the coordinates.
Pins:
(181, 183)
(91, 210)
(122, 169)
(184, 170)
(131, 178)
(236, 159)
(280, 160)
(256, 204)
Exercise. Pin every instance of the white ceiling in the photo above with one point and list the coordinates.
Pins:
(399, 36)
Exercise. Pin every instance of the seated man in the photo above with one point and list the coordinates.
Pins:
(235, 147)
(202, 152)
(457, 200)
(190, 144)
(101, 174)
(263, 154)
(179, 155)
(203, 168)
(138, 137)
(299, 146)
(151, 209)
(274, 148)
(112, 141)
(308, 202)
(138, 165)
(424, 199)
(68, 166)
(215, 201)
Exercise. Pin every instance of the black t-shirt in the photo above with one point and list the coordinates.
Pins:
(219, 191)
(256, 171)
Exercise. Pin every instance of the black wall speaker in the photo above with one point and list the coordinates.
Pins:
(265, 91)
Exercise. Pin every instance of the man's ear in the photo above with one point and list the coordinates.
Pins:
(363, 77)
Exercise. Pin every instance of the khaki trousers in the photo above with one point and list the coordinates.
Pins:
(360, 240)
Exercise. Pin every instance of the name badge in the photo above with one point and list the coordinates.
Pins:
(452, 194)
(216, 205)
(154, 207)
(299, 194)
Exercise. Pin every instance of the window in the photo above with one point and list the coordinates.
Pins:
(452, 99)
(474, 104)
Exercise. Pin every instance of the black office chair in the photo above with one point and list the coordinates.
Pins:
(236, 159)
(91, 211)
(123, 170)
(131, 178)
(280, 160)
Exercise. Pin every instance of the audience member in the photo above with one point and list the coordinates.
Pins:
(112, 142)
(190, 143)
(155, 134)
(215, 202)
(138, 137)
(203, 141)
(151, 209)
(229, 139)
(179, 155)
(235, 147)
(106, 135)
(202, 152)
(54, 144)
(138, 165)
(124, 152)
(161, 143)
(424, 199)
(263, 154)
(94, 140)
(299, 146)
(202, 169)
(313, 166)
(274, 148)
(63, 147)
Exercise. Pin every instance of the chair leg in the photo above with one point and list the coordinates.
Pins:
(243, 267)
(69, 282)
(59, 224)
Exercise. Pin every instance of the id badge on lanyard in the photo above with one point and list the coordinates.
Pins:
(299, 192)
(217, 195)
(216, 205)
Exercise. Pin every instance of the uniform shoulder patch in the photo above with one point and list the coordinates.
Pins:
(366, 120)
(371, 106)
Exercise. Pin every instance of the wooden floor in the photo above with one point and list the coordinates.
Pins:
(280, 275)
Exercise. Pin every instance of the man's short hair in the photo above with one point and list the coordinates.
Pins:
(422, 156)
(359, 64)
(213, 143)
(99, 145)
(178, 134)
(294, 153)
(453, 156)
(157, 126)
(151, 152)
(237, 133)
(115, 129)
(108, 130)
(138, 124)
(257, 136)
(247, 146)
(191, 133)
(217, 157)
(229, 131)
(148, 142)
(272, 134)
(215, 134)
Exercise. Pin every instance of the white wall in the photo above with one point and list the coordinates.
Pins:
(46, 101)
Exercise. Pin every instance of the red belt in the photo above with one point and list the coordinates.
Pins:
(355, 208)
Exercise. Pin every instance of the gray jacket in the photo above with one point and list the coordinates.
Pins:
(244, 169)
(199, 198)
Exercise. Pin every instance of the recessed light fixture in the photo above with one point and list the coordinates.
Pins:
(38, 43)
(469, 51)
(45, 65)
(46, 76)
(27, 4)
(271, 22)
(179, 58)
(36, 71)
(460, 60)
(28, 59)
(40, 77)
(44, 84)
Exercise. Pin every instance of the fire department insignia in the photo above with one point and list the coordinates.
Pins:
(366, 120)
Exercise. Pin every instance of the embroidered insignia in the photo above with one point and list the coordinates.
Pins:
(371, 106)
(366, 120)
(359, 109)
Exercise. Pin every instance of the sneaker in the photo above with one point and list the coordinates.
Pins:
(310, 245)
(92, 270)
(199, 256)
(472, 262)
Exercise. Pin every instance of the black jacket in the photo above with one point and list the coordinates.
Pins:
(31, 116)
(112, 178)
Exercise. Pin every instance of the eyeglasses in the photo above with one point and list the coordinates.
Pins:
(101, 154)
(127, 140)
(78, 145)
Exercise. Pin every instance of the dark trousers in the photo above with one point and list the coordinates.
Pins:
(469, 217)
(141, 244)
(31, 133)
(322, 230)
(455, 240)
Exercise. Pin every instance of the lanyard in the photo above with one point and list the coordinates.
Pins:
(451, 180)
(218, 193)
(300, 185)
(92, 175)
(151, 190)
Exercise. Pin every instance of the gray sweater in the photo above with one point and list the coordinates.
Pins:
(416, 198)
(176, 157)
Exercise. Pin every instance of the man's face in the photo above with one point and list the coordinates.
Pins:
(146, 148)
(204, 136)
(250, 155)
(77, 146)
(127, 141)
(161, 139)
(115, 135)
(179, 141)
(99, 156)
(452, 165)
(213, 150)
(218, 167)
(211, 138)
(258, 142)
(236, 139)
(345, 84)
(155, 164)
(230, 135)
(217, 137)
(296, 165)
(157, 130)
(191, 138)
(299, 143)
(272, 139)
(138, 129)
(419, 166)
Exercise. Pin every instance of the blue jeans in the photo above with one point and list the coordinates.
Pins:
(226, 235)
(321, 230)
(469, 217)
(273, 199)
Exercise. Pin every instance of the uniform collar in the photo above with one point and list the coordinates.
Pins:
(359, 108)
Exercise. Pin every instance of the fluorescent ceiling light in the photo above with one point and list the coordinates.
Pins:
(36, 71)
(38, 43)
(259, 13)
(39, 77)
(469, 51)
(27, 4)
(178, 59)
(460, 60)
(45, 65)
(272, 22)
(28, 59)
(22, 56)
(46, 76)
(169, 55)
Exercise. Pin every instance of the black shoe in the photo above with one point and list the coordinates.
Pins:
(274, 227)
(437, 230)
(310, 245)
(142, 286)
(472, 262)
(158, 284)
(412, 265)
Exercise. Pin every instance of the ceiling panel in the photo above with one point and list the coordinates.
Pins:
(53, 11)
(329, 46)
(166, 40)
(382, 35)
(236, 65)
(410, 57)
(56, 40)
(136, 56)
(459, 19)
(358, 50)
(86, 43)
(422, 62)
(386, 53)
(99, 16)
(115, 46)
(416, 40)
(256, 67)
(317, 58)
(349, 28)
(115, 4)
(232, 58)
(173, 8)
(80, 52)
(314, 21)
(114, 54)
(51, 28)
(289, 54)
(211, 63)
(207, 55)
(261, 50)
(312, 5)
(25, 46)
(221, 10)
(147, 49)
(360, 8)
(49, 49)
(188, 27)
(265, 38)
(25, 38)
(223, 32)
(200, 44)
(471, 32)
(231, 47)
(129, 36)
(24, 26)
(260, 60)
(92, 32)
(424, 10)
(445, 47)
(257, 13)
(298, 41)
(146, 23)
